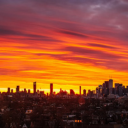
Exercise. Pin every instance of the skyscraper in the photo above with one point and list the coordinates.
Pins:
(51, 88)
(127, 89)
(8, 90)
(106, 85)
(80, 90)
(120, 91)
(29, 91)
(34, 87)
(11, 90)
(110, 86)
(17, 89)
(25, 91)
(84, 92)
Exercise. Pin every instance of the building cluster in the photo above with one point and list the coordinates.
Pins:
(107, 90)
(25, 91)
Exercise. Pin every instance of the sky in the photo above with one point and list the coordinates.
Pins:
(69, 43)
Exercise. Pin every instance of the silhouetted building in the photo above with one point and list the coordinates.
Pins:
(117, 88)
(8, 91)
(100, 89)
(11, 90)
(28, 90)
(34, 87)
(84, 92)
(54, 93)
(120, 91)
(110, 86)
(60, 90)
(104, 89)
(88, 93)
(97, 90)
(91, 93)
(127, 89)
(114, 91)
(124, 90)
(80, 90)
(72, 92)
(17, 89)
(38, 91)
(25, 91)
(107, 87)
(51, 88)
(42, 92)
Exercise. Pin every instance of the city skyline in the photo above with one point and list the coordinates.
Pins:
(106, 88)
(69, 43)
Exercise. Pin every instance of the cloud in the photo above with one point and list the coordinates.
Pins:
(71, 33)
(10, 32)
(101, 45)
(91, 52)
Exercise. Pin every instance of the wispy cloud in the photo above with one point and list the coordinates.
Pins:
(61, 41)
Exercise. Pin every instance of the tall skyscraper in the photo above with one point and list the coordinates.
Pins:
(8, 91)
(88, 94)
(25, 91)
(80, 90)
(117, 88)
(51, 88)
(106, 85)
(34, 87)
(110, 86)
(120, 91)
(29, 91)
(104, 89)
(84, 92)
(124, 90)
(114, 91)
(17, 89)
(127, 89)
(100, 89)
(97, 90)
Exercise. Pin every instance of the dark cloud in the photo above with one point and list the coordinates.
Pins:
(91, 53)
(69, 58)
(4, 71)
(101, 45)
(9, 32)
(71, 33)
(88, 54)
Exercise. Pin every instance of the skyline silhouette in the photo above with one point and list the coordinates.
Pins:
(104, 89)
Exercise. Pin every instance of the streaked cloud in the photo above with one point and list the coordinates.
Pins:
(67, 42)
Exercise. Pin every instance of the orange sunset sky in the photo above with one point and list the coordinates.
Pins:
(69, 43)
